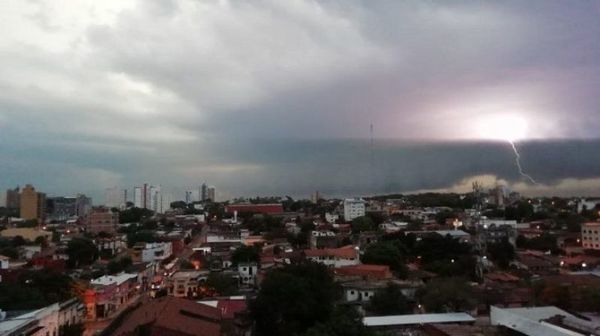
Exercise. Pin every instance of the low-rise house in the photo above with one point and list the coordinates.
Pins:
(44, 321)
(40, 322)
(151, 252)
(108, 293)
(367, 238)
(247, 273)
(4, 262)
(110, 246)
(362, 291)
(580, 262)
(496, 230)
(186, 283)
(323, 239)
(537, 263)
(27, 252)
(391, 227)
(71, 312)
(336, 257)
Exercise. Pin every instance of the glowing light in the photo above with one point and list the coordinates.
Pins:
(505, 127)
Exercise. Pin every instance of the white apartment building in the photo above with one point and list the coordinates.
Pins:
(115, 198)
(138, 197)
(590, 236)
(353, 208)
(149, 252)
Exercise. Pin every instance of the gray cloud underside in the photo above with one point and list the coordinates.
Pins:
(176, 92)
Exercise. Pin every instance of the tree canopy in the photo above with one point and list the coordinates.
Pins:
(81, 251)
(134, 215)
(245, 254)
(385, 253)
(293, 299)
(389, 301)
(363, 223)
(502, 253)
(442, 295)
(35, 289)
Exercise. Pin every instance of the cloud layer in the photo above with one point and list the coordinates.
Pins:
(94, 94)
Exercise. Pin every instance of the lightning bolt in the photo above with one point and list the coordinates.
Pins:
(518, 162)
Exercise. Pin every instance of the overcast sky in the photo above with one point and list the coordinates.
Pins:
(274, 97)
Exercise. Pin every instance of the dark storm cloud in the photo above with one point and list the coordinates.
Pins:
(176, 92)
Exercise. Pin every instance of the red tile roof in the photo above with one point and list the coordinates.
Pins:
(502, 277)
(172, 316)
(346, 252)
(370, 271)
(230, 307)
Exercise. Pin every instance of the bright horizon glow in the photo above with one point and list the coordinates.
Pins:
(507, 127)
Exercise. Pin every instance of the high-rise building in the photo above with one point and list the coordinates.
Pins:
(61, 208)
(145, 196)
(203, 192)
(13, 199)
(83, 205)
(116, 198)
(211, 193)
(188, 197)
(33, 204)
(155, 199)
(137, 197)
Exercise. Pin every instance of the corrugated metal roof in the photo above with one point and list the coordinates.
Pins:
(391, 320)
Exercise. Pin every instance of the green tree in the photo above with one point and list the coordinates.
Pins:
(81, 251)
(18, 241)
(293, 299)
(134, 215)
(363, 223)
(447, 295)
(385, 253)
(502, 253)
(35, 289)
(42, 241)
(222, 284)
(140, 236)
(389, 301)
(245, 254)
(178, 205)
(116, 266)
